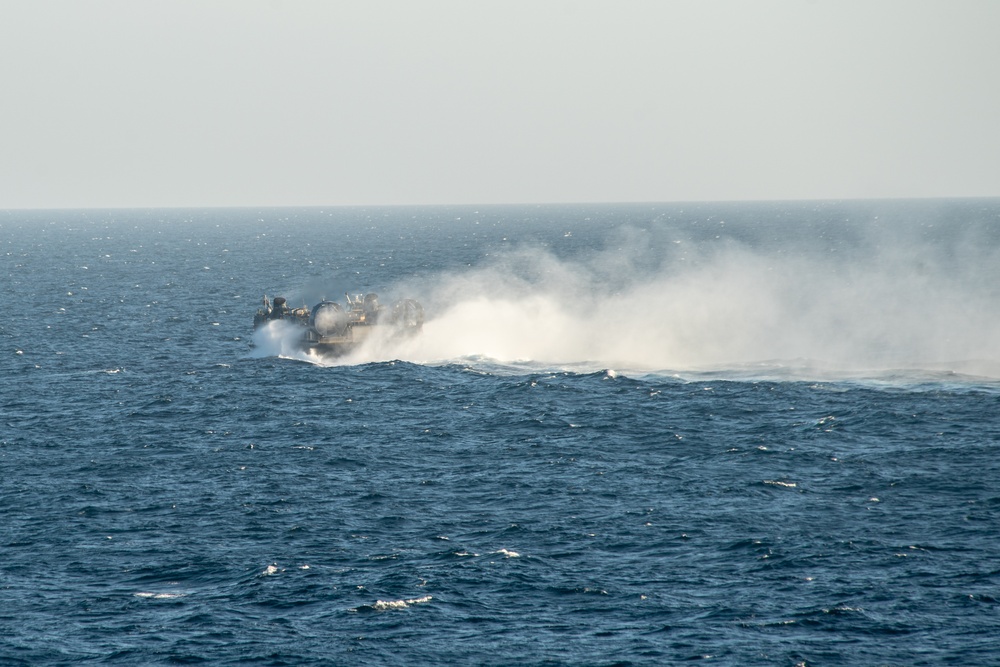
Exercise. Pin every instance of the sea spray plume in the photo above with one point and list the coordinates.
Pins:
(280, 338)
(851, 296)
(673, 317)
(522, 305)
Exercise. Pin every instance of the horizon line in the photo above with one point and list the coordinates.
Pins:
(672, 202)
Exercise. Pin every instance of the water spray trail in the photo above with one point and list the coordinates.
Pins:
(731, 307)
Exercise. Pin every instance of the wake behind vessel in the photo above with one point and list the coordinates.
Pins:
(330, 329)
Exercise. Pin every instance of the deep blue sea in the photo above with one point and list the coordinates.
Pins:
(657, 434)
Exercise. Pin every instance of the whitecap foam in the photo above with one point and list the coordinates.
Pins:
(506, 553)
(386, 605)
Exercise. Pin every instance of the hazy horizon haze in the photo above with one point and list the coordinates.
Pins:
(148, 104)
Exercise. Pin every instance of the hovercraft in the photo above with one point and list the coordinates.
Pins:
(329, 328)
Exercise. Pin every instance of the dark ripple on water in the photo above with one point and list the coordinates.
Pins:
(174, 501)
(570, 516)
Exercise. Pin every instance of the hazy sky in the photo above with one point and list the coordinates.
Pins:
(112, 103)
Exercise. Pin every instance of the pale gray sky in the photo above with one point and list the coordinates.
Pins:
(111, 103)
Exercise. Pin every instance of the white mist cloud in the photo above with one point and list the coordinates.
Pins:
(889, 309)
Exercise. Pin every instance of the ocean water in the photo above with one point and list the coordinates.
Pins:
(731, 434)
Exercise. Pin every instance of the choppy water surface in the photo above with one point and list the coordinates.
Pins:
(738, 434)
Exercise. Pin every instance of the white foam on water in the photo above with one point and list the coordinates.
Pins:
(386, 605)
(279, 338)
